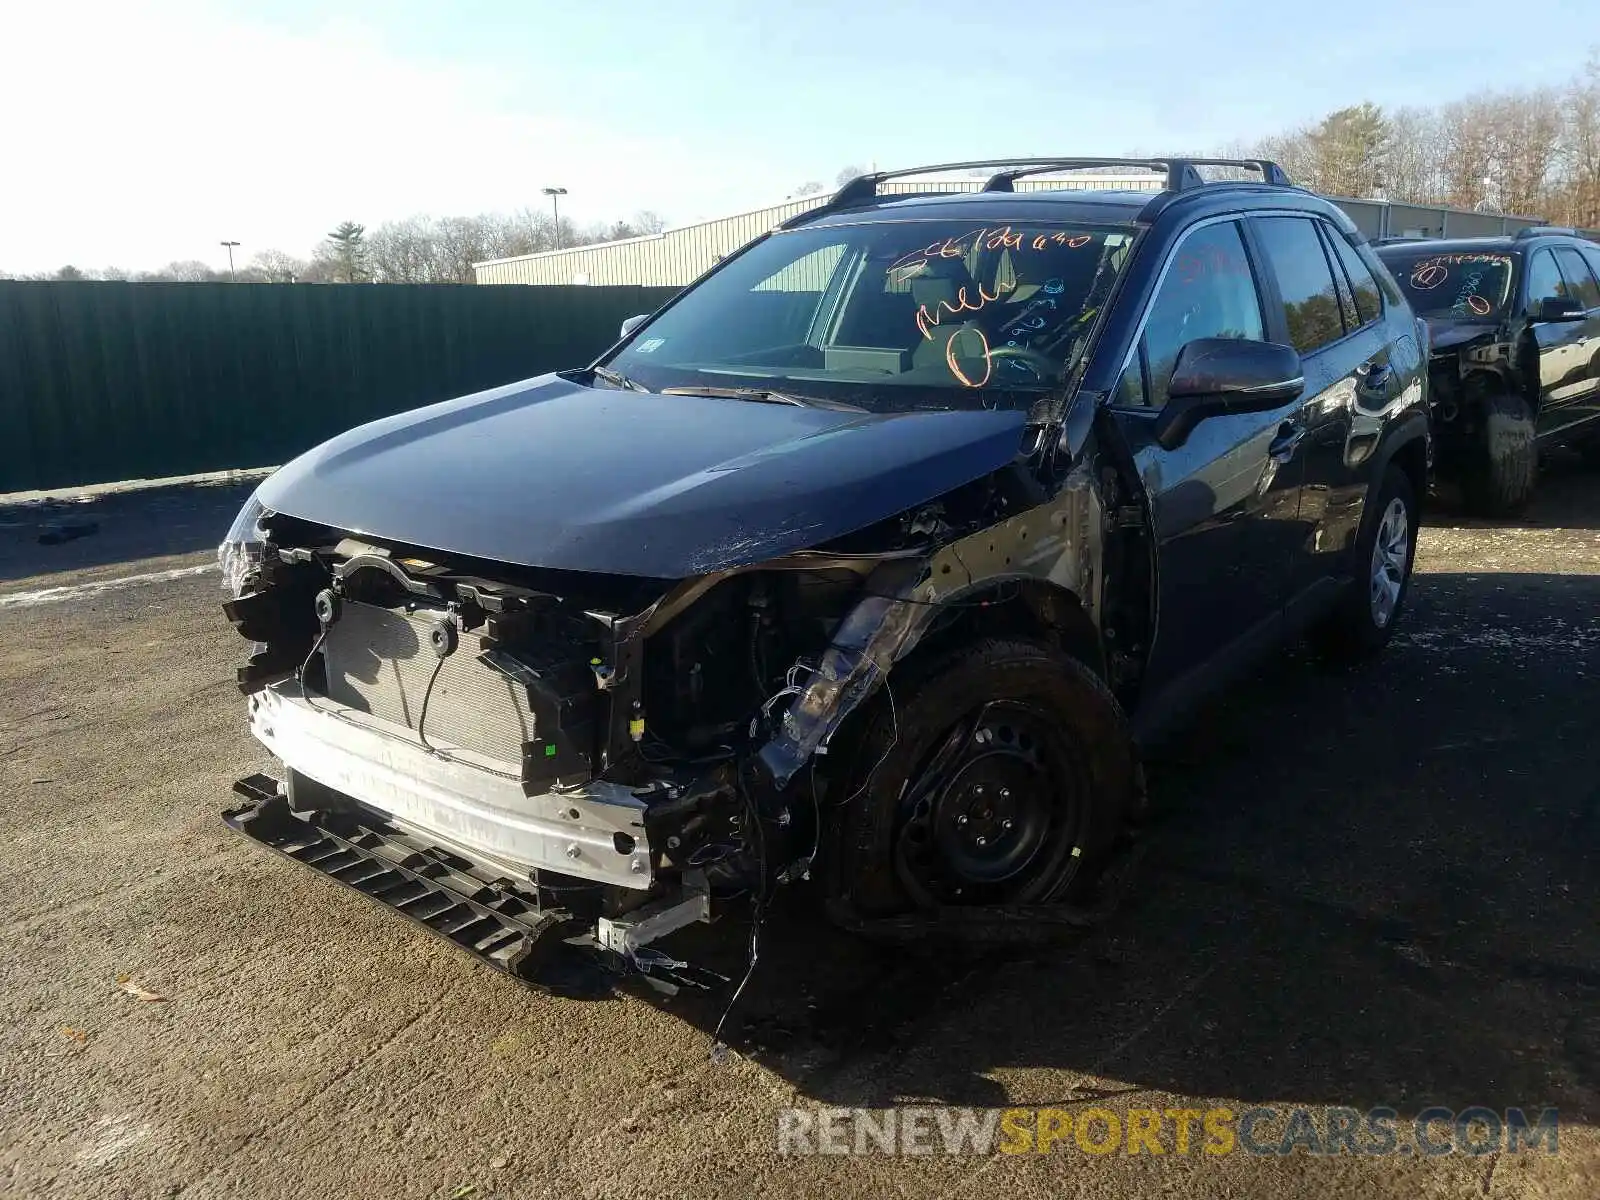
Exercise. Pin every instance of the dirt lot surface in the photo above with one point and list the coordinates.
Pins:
(1364, 889)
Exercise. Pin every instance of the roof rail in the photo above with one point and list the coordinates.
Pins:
(1181, 174)
(1529, 231)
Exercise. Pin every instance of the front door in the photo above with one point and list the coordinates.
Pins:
(1560, 345)
(1577, 269)
(1226, 501)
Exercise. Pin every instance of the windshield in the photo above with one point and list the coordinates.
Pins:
(1471, 287)
(890, 316)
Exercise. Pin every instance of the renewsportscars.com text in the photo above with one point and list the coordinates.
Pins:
(1265, 1130)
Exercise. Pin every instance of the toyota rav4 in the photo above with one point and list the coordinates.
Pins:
(868, 560)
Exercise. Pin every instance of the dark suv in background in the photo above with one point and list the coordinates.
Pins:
(1515, 361)
(869, 559)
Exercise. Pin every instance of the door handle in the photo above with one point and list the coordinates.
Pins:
(1375, 376)
(1283, 447)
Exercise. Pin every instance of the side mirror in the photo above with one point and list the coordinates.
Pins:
(1559, 308)
(633, 323)
(1217, 376)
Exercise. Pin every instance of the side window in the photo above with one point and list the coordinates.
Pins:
(1576, 269)
(1310, 304)
(1544, 279)
(1362, 284)
(1341, 281)
(1209, 290)
(1592, 253)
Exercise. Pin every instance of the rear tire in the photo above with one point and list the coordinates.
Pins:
(1384, 554)
(1000, 772)
(1500, 461)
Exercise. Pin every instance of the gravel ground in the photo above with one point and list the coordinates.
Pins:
(1375, 888)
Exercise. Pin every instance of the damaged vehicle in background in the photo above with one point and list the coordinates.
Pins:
(869, 560)
(1515, 354)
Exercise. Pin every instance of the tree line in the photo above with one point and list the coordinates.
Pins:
(418, 249)
(1533, 152)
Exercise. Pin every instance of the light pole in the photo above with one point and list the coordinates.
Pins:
(230, 246)
(555, 195)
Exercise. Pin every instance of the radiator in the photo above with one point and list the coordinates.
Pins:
(379, 661)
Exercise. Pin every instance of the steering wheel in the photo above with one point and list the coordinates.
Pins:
(1041, 366)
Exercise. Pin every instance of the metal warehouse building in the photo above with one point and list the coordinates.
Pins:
(678, 256)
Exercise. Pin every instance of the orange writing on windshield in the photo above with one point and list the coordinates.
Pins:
(955, 366)
(928, 319)
(1005, 238)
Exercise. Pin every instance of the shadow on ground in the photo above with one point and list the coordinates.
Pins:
(1566, 498)
(116, 527)
(1368, 888)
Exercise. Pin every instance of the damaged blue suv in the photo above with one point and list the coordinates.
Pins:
(869, 561)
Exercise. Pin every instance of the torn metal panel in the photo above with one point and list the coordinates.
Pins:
(1058, 542)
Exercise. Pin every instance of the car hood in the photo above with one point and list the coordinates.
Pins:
(1446, 334)
(549, 473)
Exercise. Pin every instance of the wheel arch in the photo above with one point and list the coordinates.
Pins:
(1024, 607)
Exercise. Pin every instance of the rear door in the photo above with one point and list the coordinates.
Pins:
(1330, 310)
(1225, 506)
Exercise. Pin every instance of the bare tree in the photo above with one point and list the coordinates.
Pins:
(1416, 156)
(846, 174)
(1469, 144)
(189, 270)
(810, 188)
(1579, 194)
(274, 266)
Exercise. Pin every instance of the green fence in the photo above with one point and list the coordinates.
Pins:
(107, 381)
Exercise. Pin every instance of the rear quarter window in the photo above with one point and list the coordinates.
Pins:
(1364, 288)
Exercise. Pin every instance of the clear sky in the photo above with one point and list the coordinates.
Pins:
(141, 131)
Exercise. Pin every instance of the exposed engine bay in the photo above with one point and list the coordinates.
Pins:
(606, 753)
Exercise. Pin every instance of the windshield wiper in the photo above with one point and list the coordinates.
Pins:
(763, 396)
(617, 379)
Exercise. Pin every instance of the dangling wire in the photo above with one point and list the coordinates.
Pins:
(422, 718)
(894, 740)
(719, 1048)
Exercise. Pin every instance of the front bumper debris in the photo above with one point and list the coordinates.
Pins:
(508, 925)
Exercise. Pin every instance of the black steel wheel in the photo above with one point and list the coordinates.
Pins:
(993, 815)
(999, 773)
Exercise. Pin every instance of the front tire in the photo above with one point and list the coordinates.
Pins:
(998, 773)
(1384, 554)
(1500, 458)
